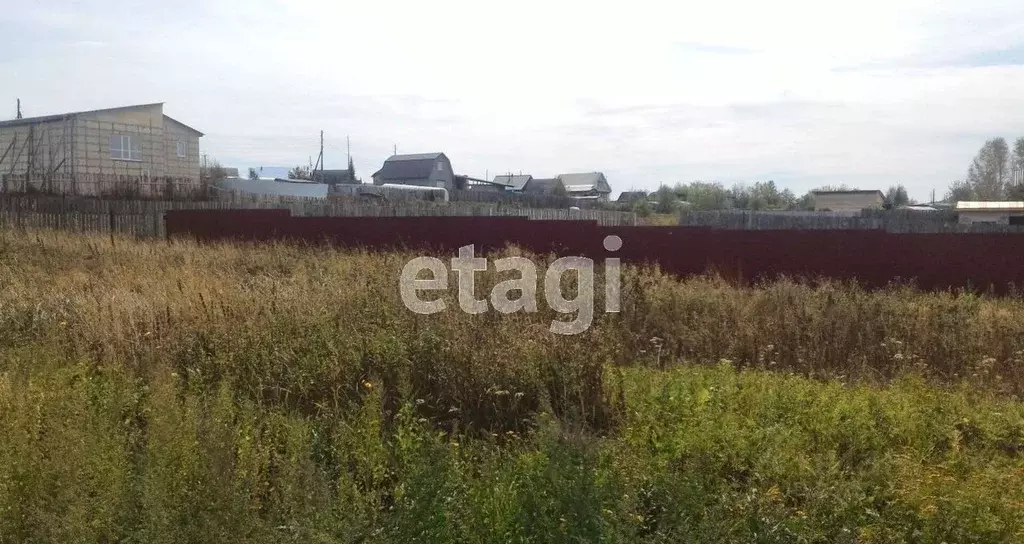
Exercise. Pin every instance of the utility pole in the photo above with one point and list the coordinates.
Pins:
(321, 159)
(395, 151)
(19, 108)
(31, 152)
(348, 150)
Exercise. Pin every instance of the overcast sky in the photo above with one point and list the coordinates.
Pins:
(868, 93)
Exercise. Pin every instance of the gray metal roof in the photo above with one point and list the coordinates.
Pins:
(579, 182)
(414, 156)
(333, 176)
(542, 186)
(1006, 206)
(59, 116)
(417, 166)
(513, 181)
(632, 196)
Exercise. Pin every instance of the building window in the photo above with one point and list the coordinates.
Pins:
(182, 148)
(440, 166)
(125, 148)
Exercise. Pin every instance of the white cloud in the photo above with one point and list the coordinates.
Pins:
(805, 92)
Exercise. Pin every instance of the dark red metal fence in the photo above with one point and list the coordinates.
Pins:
(874, 258)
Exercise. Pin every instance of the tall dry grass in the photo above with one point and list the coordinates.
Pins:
(305, 328)
(183, 393)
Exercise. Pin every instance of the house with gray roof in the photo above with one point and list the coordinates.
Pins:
(544, 186)
(589, 185)
(422, 169)
(331, 177)
(629, 197)
(513, 182)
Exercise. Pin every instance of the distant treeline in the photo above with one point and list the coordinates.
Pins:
(760, 196)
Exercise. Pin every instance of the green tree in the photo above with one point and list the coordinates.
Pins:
(667, 201)
(253, 175)
(300, 172)
(804, 203)
(840, 187)
(960, 190)
(351, 170)
(763, 195)
(642, 208)
(896, 196)
(989, 171)
(789, 199)
(1015, 192)
(741, 197)
(212, 171)
(703, 195)
(1017, 162)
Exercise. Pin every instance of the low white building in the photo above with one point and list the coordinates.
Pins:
(848, 201)
(999, 212)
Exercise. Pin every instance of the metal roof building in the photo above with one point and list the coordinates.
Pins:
(848, 201)
(542, 186)
(587, 184)
(423, 169)
(513, 182)
(1000, 212)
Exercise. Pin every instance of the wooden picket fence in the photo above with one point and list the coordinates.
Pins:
(145, 218)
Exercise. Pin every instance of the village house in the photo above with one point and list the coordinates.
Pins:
(544, 186)
(78, 152)
(630, 197)
(422, 169)
(515, 183)
(586, 186)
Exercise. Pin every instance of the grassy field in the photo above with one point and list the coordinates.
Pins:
(176, 393)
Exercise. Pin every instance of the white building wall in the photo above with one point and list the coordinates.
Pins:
(983, 216)
(847, 202)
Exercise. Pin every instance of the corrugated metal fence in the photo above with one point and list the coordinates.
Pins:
(871, 257)
(897, 222)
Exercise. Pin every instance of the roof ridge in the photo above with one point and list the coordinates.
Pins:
(89, 111)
